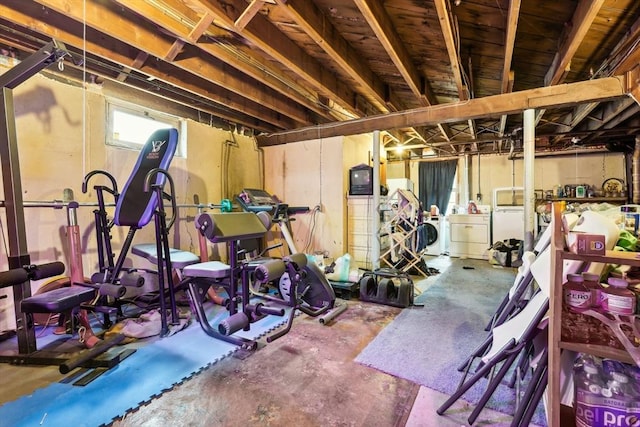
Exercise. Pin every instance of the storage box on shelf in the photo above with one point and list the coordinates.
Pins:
(627, 353)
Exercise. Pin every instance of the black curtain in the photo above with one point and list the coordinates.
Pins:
(435, 180)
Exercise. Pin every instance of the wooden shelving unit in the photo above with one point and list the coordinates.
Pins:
(614, 200)
(558, 255)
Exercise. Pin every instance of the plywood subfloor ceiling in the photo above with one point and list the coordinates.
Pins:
(448, 76)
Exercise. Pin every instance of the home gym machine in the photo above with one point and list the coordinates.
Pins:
(21, 270)
(137, 204)
(197, 277)
(313, 295)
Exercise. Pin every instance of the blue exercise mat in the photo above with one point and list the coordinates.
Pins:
(150, 371)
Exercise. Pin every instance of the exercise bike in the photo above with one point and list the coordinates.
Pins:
(312, 294)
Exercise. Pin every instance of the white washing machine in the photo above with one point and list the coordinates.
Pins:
(435, 235)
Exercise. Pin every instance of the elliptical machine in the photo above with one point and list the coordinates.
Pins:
(313, 294)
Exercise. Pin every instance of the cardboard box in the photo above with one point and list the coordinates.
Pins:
(587, 243)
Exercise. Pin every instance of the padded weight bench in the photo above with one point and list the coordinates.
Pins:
(56, 301)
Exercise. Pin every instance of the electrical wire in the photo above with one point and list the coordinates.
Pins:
(314, 213)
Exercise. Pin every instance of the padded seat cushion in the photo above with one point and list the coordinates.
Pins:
(57, 300)
(179, 258)
(209, 269)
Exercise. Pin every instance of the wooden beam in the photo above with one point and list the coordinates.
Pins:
(583, 17)
(442, 7)
(585, 13)
(248, 14)
(117, 26)
(137, 63)
(630, 61)
(256, 67)
(381, 24)
(317, 26)
(122, 26)
(609, 113)
(174, 50)
(623, 58)
(223, 113)
(551, 96)
(510, 40)
(503, 119)
(200, 28)
(265, 36)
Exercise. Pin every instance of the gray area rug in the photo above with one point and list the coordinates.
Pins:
(427, 344)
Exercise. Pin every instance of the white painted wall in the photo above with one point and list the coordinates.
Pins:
(491, 172)
(310, 173)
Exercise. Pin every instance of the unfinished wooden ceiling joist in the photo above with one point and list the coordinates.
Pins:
(435, 73)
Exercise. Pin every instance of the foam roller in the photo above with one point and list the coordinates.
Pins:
(116, 291)
(233, 324)
(261, 310)
(132, 279)
(49, 269)
(13, 277)
(98, 277)
(268, 271)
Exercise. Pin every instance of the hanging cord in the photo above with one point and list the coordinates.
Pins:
(84, 88)
(312, 229)
(226, 157)
(320, 174)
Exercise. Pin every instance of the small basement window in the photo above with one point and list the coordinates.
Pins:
(130, 125)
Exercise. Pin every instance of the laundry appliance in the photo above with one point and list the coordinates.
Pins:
(434, 234)
(508, 214)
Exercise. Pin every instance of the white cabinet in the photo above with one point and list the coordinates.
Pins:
(470, 235)
(360, 212)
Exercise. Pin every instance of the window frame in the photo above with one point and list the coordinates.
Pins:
(114, 106)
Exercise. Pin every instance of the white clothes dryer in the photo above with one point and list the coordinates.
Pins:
(434, 231)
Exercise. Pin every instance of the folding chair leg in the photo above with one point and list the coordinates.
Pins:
(533, 403)
(480, 373)
(532, 394)
(478, 352)
(491, 387)
(521, 365)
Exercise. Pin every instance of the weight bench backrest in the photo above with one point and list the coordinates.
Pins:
(135, 207)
